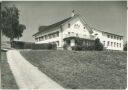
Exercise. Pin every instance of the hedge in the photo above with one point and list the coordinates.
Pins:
(29, 45)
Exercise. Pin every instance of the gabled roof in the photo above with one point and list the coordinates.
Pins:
(52, 26)
(44, 28)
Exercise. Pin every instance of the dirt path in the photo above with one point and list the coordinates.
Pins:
(28, 76)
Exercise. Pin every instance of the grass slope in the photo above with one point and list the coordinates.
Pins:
(80, 70)
(7, 78)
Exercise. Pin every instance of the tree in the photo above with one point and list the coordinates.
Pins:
(98, 45)
(125, 46)
(11, 27)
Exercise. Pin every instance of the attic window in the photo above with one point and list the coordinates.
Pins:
(84, 27)
(68, 25)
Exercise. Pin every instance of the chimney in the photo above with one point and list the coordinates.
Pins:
(73, 13)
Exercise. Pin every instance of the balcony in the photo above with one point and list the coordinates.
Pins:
(91, 37)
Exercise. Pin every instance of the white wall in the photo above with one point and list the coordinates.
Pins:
(80, 31)
(51, 39)
(106, 39)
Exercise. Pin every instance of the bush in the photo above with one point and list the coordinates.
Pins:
(98, 45)
(77, 48)
(125, 47)
(48, 46)
(17, 44)
(65, 46)
(83, 48)
(30, 45)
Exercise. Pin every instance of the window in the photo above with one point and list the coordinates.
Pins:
(39, 38)
(84, 27)
(111, 43)
(68, 32)
(111, 37)
(36, 39)
(117, 44)
(108, 36)
(68, 25)
(108, 43)
(114, 44)
(120, 38)
(42, 38)
(114, 37)
(46, 37)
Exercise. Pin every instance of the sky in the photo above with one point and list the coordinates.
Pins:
(108, 16)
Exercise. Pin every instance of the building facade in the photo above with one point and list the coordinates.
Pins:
(74, 28)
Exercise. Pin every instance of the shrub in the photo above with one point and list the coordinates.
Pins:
(30, 45)
(98, 45)
(125, 47)
(65, 46)
(83, 48)
(48, 46)
(17, 44)
(77, 48)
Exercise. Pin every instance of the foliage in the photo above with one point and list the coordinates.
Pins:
(98, 45)
(65, 46)
(83, 48)
(125, 46)
(48, 46)
(30, 45)
(11, 27)
(77, 48)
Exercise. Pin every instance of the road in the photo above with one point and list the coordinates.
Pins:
(28, 76)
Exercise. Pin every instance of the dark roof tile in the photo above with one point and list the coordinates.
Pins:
(43, 28)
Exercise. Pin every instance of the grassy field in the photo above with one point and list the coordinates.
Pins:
(80, 70)
(7, 78)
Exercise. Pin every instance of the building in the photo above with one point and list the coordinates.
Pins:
(74, 28)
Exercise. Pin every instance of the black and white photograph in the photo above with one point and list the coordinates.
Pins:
(59, 45)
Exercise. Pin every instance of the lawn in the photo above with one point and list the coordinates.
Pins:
(7, 78)
(82, 70)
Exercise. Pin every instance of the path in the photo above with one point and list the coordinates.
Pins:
(28, 76)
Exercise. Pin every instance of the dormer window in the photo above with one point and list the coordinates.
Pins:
(68, 25)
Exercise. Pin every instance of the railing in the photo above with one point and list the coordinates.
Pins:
(79, 36)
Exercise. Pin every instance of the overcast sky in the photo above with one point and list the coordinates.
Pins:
(105, 15)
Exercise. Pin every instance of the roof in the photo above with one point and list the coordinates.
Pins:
(44, 28)
(107, 32)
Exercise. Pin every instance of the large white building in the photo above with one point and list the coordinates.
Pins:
(74, 28)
